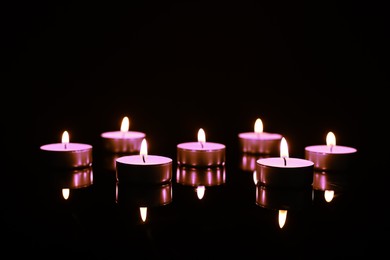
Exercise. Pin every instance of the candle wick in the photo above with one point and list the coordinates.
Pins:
(143, 158)
(65, 146)
(201, 144)
(331, 148)
(285, 161)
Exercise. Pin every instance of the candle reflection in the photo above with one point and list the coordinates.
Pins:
(200, 178)
(143, 197)
(329, 185)
(248, 161)
(282, 217)
(68, 180)
(283, 200)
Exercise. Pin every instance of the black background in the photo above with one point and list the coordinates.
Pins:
(305, 68)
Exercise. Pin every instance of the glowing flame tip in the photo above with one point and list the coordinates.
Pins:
(125, 125)
(258, 126)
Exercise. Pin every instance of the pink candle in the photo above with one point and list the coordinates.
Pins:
(330, 157)
(144, 168)
(201, 153)
(284, 171)
(123, 141)
(259, 142)
(67, 154)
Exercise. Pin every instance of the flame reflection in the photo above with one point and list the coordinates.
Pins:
(200, 178)
(143, 197)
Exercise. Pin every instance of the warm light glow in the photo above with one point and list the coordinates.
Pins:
(201, 136)
(144, 149)
(282, 217)
(116, 192)
(255, 180)
(258, 126)
(125, 124)
(143, 211)
(328, 195)
(330, 139)
(283, 148)
(65, 137)
(200, 191)
(65, 193)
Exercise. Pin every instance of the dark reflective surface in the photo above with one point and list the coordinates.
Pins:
(212, 211)
(173, 68)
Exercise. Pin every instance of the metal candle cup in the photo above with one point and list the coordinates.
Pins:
(330, 157)
(143, 168)
(284, 171)
(338, 159)
(191, 153)
(67, 155)
(118, 142)
(201, 153)
(259, 142)
(273, 172)
(123, 141)
(133, 169)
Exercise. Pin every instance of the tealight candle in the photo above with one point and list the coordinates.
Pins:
(330, 157)
(123, 141)
(284, 171)
(67, 154)
(201, 153)
(259, 142)
(144, 168)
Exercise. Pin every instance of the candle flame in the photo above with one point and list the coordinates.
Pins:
(328, 195)
(125, 124)
(201, 136)
(282, 217)
(330, 139)
(200, 190)
(283, 148)
(258, 126)
(65, 193)
(65, 137)
(144, 149)
(143, 212)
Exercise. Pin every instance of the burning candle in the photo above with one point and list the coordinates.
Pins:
(259, 142)
(284, 171)
(123, 141)
(330, 157)
(67, 154)
(144, 168)
(201, 153)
